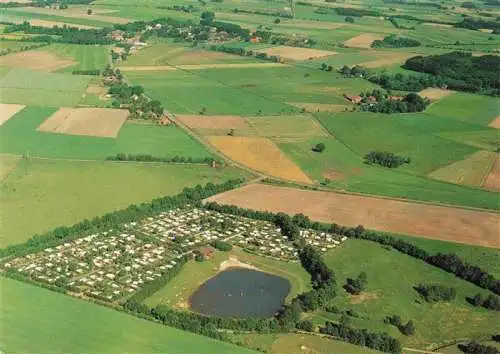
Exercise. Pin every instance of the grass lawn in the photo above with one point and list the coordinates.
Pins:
(52, 193)
(298, 343)
(391, 277)
(36, 320)
(346, 171)
(177, 292)
(19, 136)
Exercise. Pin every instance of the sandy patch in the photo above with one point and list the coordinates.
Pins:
(435, 93)
(495, 123)
(429, 221)
(212, 122)
(492, 181)
(233, 262)
(364, 40)
(319, 107)
(296, 53)
(442, 25)
(365, 296)
(78, 12)
(485, 30)
(100, 122)
(259, 154)
(7, 111)
(199, 66)
(35, 60)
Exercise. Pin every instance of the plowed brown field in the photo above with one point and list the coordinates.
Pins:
(429, 221)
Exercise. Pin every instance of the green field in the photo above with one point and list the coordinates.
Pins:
(36, 320)
(54, 193)
(177, 292)
(41, 89)
(19, 136)
(391, 277)
(89, 57)
(346, 171)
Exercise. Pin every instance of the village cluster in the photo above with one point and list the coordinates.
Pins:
(114, 264)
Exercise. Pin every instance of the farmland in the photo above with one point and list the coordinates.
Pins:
(111, 127)
(32, 315)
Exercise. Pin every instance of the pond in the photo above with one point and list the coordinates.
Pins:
(239, 293)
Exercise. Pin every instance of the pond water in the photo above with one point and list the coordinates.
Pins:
(239, 293)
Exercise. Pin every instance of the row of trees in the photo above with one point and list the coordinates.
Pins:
(115, 219)
(151, 287)
(475, 23)
(150, 158)
(393, 41)
(65, 34)
(491, 302)
(379, 237)
(244, 52)
(385, 159)
(461, 71)
(377, 341)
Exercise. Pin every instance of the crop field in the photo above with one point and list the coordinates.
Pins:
(39, 320)
(99, 122)
(493, 179)
(88, 57)
(213, 122)
(435, 222)
(20, 136)
(472, 171)
(259, 154)
(287, 126)
(293, 53)
(8, 110)
(435, 94)
(362, 41)
(36, 88)
(40, 60)
(45, 190)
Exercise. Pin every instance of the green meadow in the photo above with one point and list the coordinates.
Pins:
(391, 277)
(20, 136)
(346, 171)
(89, 57)
(58, 192)
(36, 320)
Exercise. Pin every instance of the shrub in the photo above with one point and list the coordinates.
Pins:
(436, 292)
(305, 325)
(320, 147)
(356, 286)
(222, 246)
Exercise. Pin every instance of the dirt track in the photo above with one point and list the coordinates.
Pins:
(429, 221)
(199, 66)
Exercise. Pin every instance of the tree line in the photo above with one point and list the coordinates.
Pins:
(491, 302)
(150, 158)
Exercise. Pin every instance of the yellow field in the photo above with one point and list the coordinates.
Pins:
(471, 171)
(259, 154)
(364, 40)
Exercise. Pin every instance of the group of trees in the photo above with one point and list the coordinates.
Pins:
(376, 101)
(355, 71)
(402, 82)
(491, 302)
(461, 71)
(394, 41)
(151, 158)
(355, 286)
(274, 13)
(407, 328)
(436, 292)
(474, 23)
(222, 245)
(476, 348)
(385, 159)
(373, 340)
(64, 34)
(138, 105)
